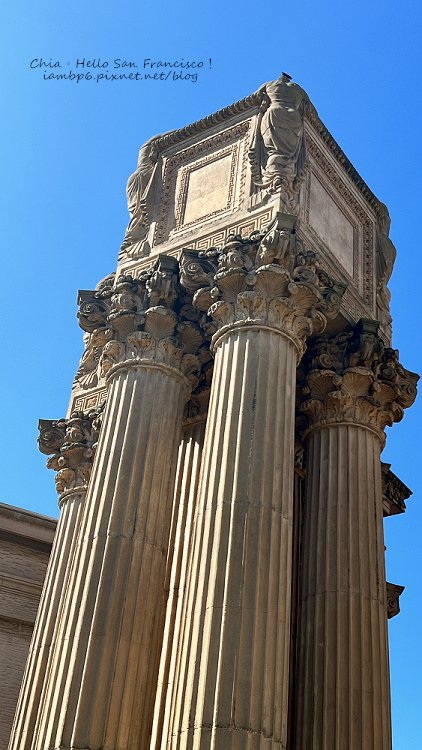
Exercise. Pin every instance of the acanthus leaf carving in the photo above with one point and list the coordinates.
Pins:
(354, 378)
(73, 443)
(290, 293)
(88, 375)
(147, 318)
(113, 353)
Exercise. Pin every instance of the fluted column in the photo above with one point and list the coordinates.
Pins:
(102, 668)
(180, 554)
(354, 388)
(73, 443)
(231, 677)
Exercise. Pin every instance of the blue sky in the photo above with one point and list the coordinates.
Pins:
(68, 148)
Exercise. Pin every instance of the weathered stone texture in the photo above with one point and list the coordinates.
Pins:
(199, 597)
(15, 638)
(25, 543)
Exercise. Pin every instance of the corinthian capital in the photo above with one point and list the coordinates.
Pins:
(145, 320)
(354, 378)
(72, 442)
(267, 280)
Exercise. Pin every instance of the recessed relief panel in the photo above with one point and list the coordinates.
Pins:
(331, 225)
(202, 183)
(206, 189)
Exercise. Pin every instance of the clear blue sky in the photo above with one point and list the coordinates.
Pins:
(68, 148)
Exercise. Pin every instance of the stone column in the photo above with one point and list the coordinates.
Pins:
(101, 674)
(298, 492)
(354, 388)
(73, 443)
(231, 681)
(180, 550)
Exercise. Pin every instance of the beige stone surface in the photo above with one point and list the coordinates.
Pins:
(207, 190)
(231, 680)
(55, 582)
(15, 638)
(72, 445)
(338, 213)
(332, 226)
(343, 688)
(178, 566)
(99, 684)
(343, 683)
(231, 674)
(189, 614)
(25, 544)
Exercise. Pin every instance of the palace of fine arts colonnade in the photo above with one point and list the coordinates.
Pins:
(217, 578)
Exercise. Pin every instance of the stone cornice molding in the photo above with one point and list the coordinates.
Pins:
(72, 443)
(269, 280)
(352, 378)
(164, 142)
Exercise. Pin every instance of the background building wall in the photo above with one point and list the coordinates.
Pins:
(25, 544)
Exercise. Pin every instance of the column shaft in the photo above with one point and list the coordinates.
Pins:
(179, 560)
(100, 684)
(231, 682)
(55, 584)
(343, 700)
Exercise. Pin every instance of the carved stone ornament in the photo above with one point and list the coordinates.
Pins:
(393, 599)
(299, 460)
(354, 378)
(394, 492)
(73, 443)
(277, 154)
(140, 193)
(197, 407)
(147, 320)
(385, 258)
(88, 375)
(93, 310)
(269, 280)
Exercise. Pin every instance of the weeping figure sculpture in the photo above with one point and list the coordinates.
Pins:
(140, 198)
(277, 154)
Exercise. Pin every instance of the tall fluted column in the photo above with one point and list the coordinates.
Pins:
(180, 552)
(102, 669)
(354, 388)
(73, 443)
(231, 677)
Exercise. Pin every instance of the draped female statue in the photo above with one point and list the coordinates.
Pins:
(278, 152)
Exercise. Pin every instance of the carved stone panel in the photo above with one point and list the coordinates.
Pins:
(206, 188)
(203, 182)
(341, 225)
(332, 225)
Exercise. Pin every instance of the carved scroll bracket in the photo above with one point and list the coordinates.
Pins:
(72, 443)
